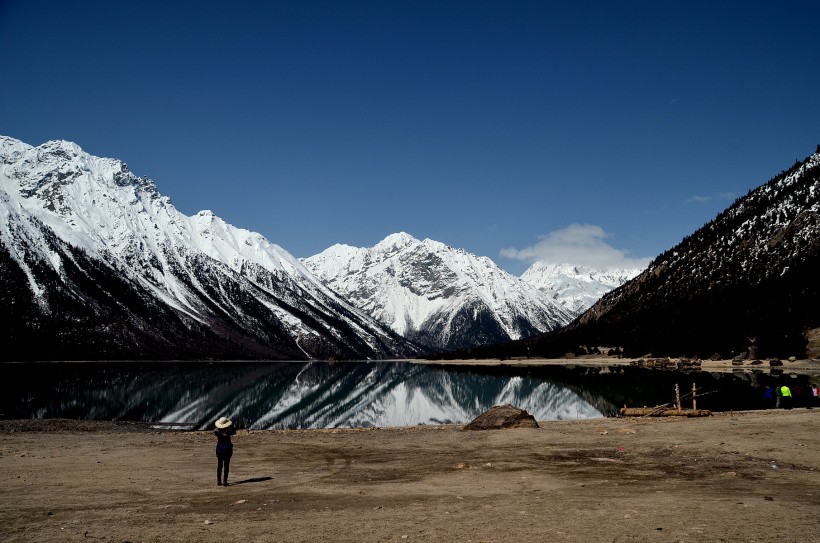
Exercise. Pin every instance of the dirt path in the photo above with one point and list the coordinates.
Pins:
(744, 477)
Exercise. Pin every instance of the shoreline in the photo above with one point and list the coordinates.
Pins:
(809, 367)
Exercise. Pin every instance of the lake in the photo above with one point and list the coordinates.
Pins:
(295, 395)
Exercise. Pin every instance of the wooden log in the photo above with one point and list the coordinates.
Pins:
(663, 412)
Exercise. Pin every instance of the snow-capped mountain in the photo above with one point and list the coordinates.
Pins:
(575, 287)
(746, 282)
(436, 295)
(96, 263)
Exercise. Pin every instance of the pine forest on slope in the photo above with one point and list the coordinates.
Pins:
(743, 284)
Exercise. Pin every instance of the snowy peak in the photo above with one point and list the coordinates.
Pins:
(437, 295)
(395, 242)
(200, 285)
(11, 149)
(575, 287)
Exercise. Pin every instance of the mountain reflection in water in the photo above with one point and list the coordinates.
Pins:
(284, 395)
(278, 395)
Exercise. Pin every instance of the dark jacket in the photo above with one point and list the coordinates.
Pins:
(224, 447)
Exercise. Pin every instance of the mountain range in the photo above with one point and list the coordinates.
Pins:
(435, 295)
(576, 288)
(97, 264)
(744, 285)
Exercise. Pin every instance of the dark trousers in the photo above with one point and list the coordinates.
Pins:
(223, 460)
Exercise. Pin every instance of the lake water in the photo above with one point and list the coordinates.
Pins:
(280, 395)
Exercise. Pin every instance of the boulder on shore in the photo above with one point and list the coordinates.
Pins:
(502, 416)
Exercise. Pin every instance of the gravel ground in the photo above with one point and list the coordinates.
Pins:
(750, 477)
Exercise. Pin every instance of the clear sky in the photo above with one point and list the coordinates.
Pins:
(598, 132)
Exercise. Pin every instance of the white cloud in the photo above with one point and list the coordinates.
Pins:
(722, 196)
(699, 199)
(577, 244)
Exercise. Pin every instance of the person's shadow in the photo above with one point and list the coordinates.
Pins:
(253, 480)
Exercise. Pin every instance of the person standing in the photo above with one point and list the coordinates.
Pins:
(768, 398)
(224, 449)
(786, 393)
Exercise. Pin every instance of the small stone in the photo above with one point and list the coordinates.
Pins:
(208, 522)
(404, 537)
(241, 501)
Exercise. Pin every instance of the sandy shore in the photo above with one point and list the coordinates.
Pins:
(746, 477)
(803, 367)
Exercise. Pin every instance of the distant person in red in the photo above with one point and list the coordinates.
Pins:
(224, 448)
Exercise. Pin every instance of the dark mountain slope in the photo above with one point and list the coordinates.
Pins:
(90, 311)
(749, 278)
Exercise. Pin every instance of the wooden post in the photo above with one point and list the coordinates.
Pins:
(694, 398)
(677, 396)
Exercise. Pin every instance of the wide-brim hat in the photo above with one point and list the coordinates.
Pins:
(223, 423)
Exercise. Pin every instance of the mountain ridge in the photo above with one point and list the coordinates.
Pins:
(576, 287)
(240, 294)
(743, 285)
(437, 295)
(96, 263)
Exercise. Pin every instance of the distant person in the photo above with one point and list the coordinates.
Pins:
(815, 400)
(797, 395)
(769, 398)
(224, 449)
(778, 396)
(786, 400)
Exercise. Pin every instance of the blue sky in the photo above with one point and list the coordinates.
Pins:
(601, 132)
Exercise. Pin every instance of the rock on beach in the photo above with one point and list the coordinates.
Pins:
(502, 416)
